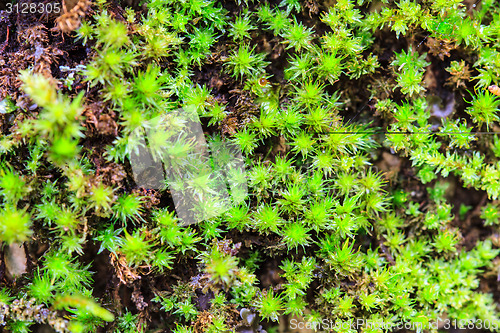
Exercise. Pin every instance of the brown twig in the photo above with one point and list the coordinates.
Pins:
(4, 46)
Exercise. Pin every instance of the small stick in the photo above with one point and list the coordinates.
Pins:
(6, 41)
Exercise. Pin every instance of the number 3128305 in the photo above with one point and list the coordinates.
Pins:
(33, 8)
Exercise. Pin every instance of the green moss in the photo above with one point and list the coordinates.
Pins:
(360, 192)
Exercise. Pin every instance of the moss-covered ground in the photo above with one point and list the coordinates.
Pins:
(340, 160)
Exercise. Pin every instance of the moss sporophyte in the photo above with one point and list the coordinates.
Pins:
(212, 166)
